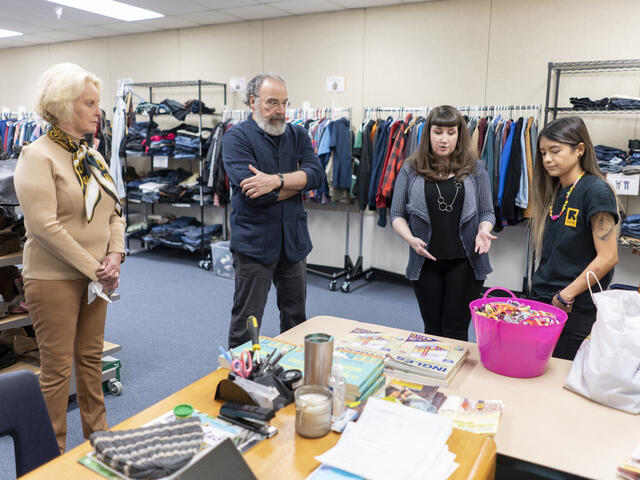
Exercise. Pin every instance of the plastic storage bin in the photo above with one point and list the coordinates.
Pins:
(515, 350)
(222, 260)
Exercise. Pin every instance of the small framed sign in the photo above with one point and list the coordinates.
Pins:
(624, 184)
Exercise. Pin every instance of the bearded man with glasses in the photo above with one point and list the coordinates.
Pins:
(269, 163)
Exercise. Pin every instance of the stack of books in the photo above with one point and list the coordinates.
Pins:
(630, 469)
(363, 373)
(417, 358)
(425, 360)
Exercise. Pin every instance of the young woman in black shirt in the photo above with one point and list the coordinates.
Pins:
(573, 227)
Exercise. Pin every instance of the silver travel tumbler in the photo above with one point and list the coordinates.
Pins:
(318, 355)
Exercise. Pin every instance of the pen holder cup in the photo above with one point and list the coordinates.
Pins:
(512, 349)
(313, 411)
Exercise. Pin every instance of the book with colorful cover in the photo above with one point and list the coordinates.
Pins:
(373, 388)
(424, 355)
(359, 374)
(267, 345)
(630, 469)
(373, 343)
(366, 369)
(360, 369)
(214, 429)
(421, 397)
(414, 378)
(477, 416)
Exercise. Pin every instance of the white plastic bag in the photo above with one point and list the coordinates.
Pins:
(606, 368)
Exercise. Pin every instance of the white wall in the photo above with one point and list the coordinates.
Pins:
(450, 51)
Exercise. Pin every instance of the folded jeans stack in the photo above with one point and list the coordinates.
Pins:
(162, 144)
(630, 226)
(184, 232)
(585, 103)
(623, 104)
(187, 146)
(610, 159)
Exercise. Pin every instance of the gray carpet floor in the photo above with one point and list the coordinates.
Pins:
(172, 316)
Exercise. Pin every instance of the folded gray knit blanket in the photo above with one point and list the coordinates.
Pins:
(149, 452)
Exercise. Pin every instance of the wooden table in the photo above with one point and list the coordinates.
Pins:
(543, 423)
(286, 455)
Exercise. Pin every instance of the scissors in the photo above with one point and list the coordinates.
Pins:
(244, 365)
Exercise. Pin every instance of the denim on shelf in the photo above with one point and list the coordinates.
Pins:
(195, 233)
(608, 168)
(630, 230)
(623, 104)
(187, 141)
(604, 152)
(634, 159)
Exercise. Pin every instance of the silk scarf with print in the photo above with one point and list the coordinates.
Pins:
(91, 172)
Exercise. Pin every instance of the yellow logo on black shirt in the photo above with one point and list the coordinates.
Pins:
(571, 219)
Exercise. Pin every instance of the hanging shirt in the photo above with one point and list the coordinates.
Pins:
(504, 162)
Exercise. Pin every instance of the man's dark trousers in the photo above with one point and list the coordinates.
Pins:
(253, 281)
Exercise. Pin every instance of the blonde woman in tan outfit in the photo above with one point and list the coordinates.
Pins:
(75, 235)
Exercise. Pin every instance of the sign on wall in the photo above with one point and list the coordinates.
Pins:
(624, 184)
(335, 84)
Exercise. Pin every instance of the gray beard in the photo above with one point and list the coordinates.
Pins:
(272, 128)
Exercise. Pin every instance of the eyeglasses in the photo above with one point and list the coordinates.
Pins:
(273, 103)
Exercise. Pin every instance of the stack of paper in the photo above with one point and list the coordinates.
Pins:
(393, 441)
(426, 360)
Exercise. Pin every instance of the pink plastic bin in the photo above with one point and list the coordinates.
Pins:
(511, 349)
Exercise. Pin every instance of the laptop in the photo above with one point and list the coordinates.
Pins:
(224, 462)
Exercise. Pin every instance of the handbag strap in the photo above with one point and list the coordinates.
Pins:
(589, 284)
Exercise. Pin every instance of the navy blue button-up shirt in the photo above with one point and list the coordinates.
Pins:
(261, 228)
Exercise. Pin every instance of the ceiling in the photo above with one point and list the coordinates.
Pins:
(37, 19)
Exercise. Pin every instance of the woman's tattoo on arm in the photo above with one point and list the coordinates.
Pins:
(603, 225)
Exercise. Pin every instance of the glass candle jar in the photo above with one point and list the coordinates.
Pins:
(313, 411)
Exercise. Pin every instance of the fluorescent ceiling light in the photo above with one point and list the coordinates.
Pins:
(111, 8)
(8, 33)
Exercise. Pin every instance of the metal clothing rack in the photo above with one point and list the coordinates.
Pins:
(556, 69)
(235, 115)
(332, 113)
(204, 262)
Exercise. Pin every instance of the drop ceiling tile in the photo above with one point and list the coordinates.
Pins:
(51, 36)
(168, 7)
(220, 4)
(131, 27)
(299, 7)
(45, 16)
(168, 23)
(102, 31)
(9, 24)
(255, 12)
(365, 3)
(211, 18)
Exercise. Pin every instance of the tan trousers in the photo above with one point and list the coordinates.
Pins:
(67, 329)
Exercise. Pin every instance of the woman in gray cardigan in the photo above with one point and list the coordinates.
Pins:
(442, 208)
